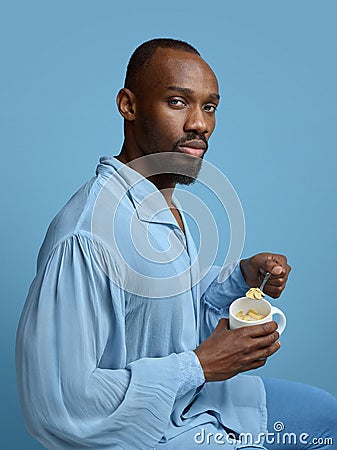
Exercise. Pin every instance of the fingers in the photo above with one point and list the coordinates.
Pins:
(276, 281)
(279, 268)
(228, 352)
(275, 264)
(275, 287)
(267, 341)
(274, 291)
(259, 357)
(260, 351)
(254, 269)
(254, 365)
(256, 331)
(261, 341)
(257, 343)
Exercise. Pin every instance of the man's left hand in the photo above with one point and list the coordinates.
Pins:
(254, 269)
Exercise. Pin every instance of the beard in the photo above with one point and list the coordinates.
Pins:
(185, 167)
(181, 168)
(189, 171)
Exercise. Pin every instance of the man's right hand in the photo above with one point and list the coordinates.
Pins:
(228, 352)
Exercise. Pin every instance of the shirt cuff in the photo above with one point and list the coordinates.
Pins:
(191, 373)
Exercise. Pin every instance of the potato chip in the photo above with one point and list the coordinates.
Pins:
(251, 315)
(255, 294)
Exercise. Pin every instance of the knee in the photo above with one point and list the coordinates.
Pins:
(309, 407)
(325, 407)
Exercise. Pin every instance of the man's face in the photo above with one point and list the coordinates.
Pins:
(176, 98)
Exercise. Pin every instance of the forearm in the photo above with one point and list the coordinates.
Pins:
(218, 296)
(227, 286)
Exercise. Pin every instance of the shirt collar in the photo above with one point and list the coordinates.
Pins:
(150, 205)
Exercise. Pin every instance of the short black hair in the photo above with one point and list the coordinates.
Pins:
(143, 54)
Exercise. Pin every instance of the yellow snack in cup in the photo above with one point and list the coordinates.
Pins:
(255, 293)
(250, 316)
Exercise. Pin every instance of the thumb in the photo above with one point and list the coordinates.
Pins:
(273, 266)
(223, 324)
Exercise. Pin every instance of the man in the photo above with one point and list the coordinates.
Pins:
(122, 344)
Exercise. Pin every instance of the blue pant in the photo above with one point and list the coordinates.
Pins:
(299, 416)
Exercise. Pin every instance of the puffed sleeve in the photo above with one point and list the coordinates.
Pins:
(73, 392)
(218, 290)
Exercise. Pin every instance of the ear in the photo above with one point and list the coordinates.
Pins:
(126, 103)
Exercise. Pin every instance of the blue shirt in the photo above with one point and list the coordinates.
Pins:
(104, 345)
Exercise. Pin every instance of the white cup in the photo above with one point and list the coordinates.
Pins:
(261, 307)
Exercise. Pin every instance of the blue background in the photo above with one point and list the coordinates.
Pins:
(62, 64)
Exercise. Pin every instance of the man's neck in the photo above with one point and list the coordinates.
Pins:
(162, 181)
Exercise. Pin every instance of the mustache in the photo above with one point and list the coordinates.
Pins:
(192, 137)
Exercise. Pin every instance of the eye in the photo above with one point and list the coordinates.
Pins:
(176, 102)
(210, 108)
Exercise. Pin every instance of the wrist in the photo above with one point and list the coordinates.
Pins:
(202, 363)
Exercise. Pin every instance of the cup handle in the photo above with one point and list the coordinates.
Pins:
(283, 320)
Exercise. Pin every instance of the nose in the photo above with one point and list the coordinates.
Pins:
(196, 121)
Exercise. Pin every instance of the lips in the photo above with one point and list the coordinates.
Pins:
(194, 148)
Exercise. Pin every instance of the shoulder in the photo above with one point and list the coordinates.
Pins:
(79, 253)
